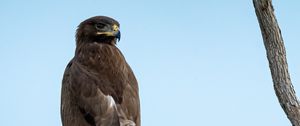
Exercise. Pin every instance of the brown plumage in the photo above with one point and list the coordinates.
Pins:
(98, 87)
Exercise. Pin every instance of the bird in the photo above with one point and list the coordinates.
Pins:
(98, 87)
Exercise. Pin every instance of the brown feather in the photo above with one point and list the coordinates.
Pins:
(99, 88)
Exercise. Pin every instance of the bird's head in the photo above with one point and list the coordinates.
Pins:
(99, 29)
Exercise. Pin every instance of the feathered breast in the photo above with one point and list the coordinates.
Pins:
(107, 62)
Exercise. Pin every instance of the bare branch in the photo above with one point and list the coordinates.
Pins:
(277, 59)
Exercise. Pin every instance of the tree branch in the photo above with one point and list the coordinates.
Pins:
(276, 55)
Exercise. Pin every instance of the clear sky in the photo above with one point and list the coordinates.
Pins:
(198, 62)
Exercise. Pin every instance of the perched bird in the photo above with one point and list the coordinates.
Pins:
(98, 86)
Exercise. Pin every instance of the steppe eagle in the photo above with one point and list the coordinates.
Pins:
(98, 86)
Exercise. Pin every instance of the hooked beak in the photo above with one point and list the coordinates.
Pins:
(115, 32)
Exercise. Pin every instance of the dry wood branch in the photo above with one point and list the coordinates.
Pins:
(276, 55)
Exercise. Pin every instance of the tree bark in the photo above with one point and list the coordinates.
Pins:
(276, 55)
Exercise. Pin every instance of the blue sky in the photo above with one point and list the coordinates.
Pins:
(198, 63)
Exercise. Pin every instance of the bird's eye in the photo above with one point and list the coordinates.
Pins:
(99, 25)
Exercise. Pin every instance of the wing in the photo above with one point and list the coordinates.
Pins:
(70, 113)
(83, 102)
(96, 107)
(130, 107)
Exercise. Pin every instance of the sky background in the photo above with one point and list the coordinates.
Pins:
(198, 62)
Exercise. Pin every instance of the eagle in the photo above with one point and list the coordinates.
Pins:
(99, 87)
